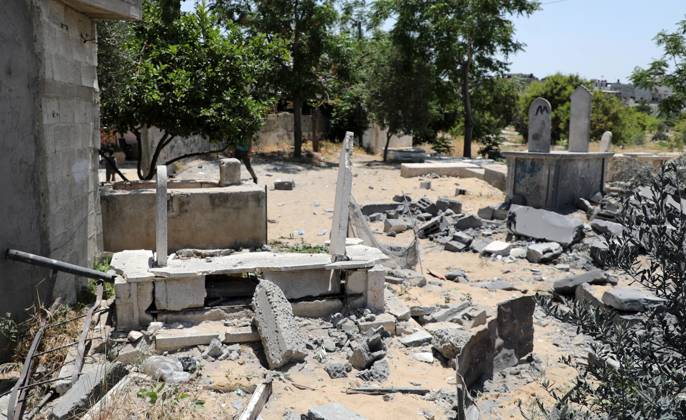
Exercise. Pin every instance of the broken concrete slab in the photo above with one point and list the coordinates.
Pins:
(543, 252)
(497, 284)
(631, 299)
(545, 225)
(605, 227)
(387, 321)
(467, 222)
(448, 338)
(516, 325)
(320, 308)
(486, 213)
(416, 339)
(278, 330)
(567, 285)
(497, 248)
(172, 339)
(133, 265)
(90, 387)
(590, 294)
(180, 293)
(448, 313)
(394, 306)
(246, 334)
(395, 226)
(455, 246)
(333, 411)
(444, 203)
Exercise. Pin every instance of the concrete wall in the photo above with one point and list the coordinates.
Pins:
(278, 129)
(374, 140)
(49, 139)
(205, 218)
(178, 147)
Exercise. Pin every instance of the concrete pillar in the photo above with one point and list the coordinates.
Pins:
(376, 278)
(229, 172)
(161, 220)
(344, 186)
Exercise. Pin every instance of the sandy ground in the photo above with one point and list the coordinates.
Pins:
(304, 215)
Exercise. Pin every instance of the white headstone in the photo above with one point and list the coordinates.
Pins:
(606, 141)
(161, 220)
(344, 187)
(539, 126)
(580, 120)
(229, 172)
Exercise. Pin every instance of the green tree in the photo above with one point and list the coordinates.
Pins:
(305, 26)
(189, 77)
(557, 89)
(668, 71)
(466, 41)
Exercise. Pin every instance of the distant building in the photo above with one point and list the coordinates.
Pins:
(633, 95)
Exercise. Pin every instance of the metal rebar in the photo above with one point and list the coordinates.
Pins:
(66, 321)
(28, 258)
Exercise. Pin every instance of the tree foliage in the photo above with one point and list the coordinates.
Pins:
(628, 125)
(187, 77)
(667, 71)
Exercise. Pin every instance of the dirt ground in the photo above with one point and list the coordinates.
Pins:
(304, 215)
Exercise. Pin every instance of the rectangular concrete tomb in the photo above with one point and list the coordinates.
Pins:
(200, 215)
(554, 181)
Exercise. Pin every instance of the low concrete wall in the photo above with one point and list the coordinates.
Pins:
(374, 140)
(278, 129)
(205, 218)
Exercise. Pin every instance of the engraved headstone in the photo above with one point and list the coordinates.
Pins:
(580, 120)
(606, 141)
(539, 126)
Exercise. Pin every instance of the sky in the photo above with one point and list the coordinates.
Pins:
(597, 39)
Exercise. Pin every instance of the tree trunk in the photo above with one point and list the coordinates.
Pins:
(315, 129)
(388, 141)
(297, 127)
(467, 105)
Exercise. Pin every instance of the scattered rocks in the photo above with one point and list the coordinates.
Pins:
(379, 372)
(337, 370)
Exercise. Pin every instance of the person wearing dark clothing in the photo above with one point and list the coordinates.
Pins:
(242, 153)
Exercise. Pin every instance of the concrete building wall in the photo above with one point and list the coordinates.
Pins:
(49, 140)
(20, 172)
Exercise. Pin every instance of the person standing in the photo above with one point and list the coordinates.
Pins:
(242, 152)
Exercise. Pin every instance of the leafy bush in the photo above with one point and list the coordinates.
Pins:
(443, 145)
(638, 366)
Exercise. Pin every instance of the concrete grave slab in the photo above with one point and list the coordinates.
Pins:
(178, 294)
(133, 265)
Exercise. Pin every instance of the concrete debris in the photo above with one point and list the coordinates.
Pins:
(278, 331)
(395, 226)
(425, 185)
(458, 276)
(284, 185)
(456, 246)
(424, 356)
(467, 222)
(544, 225)
(496, 284)
(605, 227)
(338, 370)
(93, 383)
(567, 285)
(333, 411)
(378, 372)
(543, 252)
(416, 339)
(630, 299)
(497, 248)
(443, 204)
(395, 307)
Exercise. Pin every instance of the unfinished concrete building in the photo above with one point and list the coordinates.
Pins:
(49, 134)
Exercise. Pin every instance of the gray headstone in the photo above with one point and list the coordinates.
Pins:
(344, 185)
(606, 141)
(580, 120)
(539, 126)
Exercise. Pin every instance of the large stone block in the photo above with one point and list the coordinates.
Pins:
(180, 293)
(229, 172)
(545, 225)
(280, 335)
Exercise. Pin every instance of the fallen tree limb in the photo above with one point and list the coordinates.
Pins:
(388, 390)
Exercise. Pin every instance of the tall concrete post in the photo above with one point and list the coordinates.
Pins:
(161, 220)
(344, 185)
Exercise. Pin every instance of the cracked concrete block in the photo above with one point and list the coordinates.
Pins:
(387, 321)
(279, 333)
(132, 301)
(376, 279)
(180, 294)
(229, 172)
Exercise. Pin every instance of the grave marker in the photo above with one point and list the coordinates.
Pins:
(539, 126)
(344, 186)
(606, 141)
(161, 220)
(580, 120)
